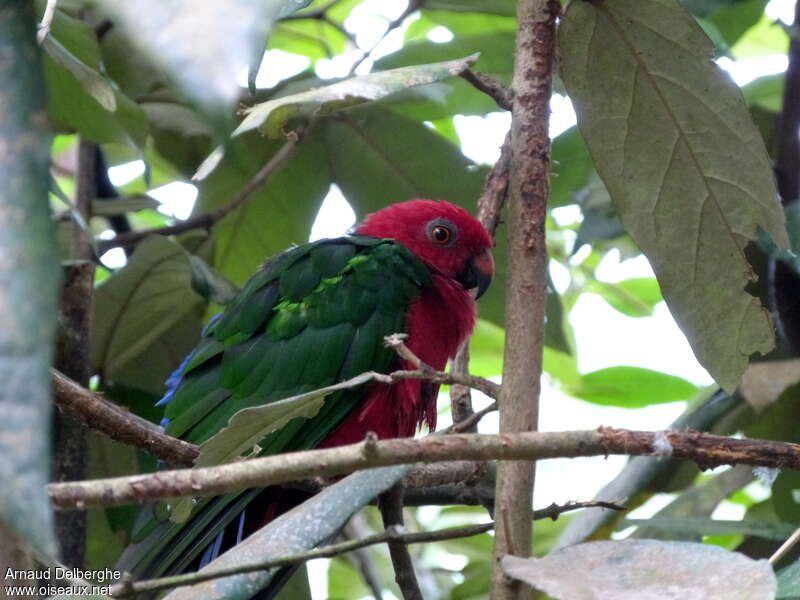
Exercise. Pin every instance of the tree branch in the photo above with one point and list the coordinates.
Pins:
(70, 437)
(209, 219)
(117, 423)
(97, 413)
(526, 286)
(704, 449)
(391, 507)
(391, 535)
(489, 86)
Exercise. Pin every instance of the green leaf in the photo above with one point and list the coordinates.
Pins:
(80, 97)
(270, 116)
(211, 284)
(251, 425)
(698, 501)
(789, 581)
(631, 387)
(29, 287)
(571, 168)
(276, 215)
(733, 19)
(635, 297)
(145, 316)
(486, 347)
(645, 570)
(685, 166)
(312, 38)
(698, 526)
(91, 81)
(765, 38)
(766, 92)
(506, 8)
(167, 33)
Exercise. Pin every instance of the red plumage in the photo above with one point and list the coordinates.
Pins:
(438, 321)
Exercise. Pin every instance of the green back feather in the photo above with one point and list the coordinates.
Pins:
(312, 316)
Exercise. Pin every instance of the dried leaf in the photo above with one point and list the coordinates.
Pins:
(645, 570)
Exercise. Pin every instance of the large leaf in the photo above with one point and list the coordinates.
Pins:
(698, 526)
(789, 581)
(249, 426)
(646, 570)
(91, 81)
(314, 522)
(80, 97)
(29, 279)
(278, 214)
(631, 387)
(270, 116)
(693, 506)
(685, 166)
(144, 316)
(231, 32)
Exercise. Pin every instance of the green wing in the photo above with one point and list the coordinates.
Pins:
(312, 316)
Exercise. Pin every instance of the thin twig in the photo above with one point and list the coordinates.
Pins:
(413, 5)
(785, 547)
(425, 371)
(495, 190)
(47, 21)
(209, 219)
(356, 529)
(391, 507)
(704, 449)
(489, 86)
(392, 534)
(470, 424)
(460, 396)
(101, 415)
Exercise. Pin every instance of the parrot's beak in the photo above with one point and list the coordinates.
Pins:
(477, 274)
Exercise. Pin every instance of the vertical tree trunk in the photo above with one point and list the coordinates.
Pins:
(527, 281)
(70, 442)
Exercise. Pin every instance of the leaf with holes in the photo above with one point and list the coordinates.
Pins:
(683, 162)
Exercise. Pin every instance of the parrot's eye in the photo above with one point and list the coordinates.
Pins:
(441, 234)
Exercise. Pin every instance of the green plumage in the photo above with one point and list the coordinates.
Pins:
(312, 316)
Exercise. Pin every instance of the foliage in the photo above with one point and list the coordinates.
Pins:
(670, 159)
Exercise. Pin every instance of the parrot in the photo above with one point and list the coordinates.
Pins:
(312, 316)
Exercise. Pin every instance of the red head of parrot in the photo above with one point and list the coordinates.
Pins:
(448, 239)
